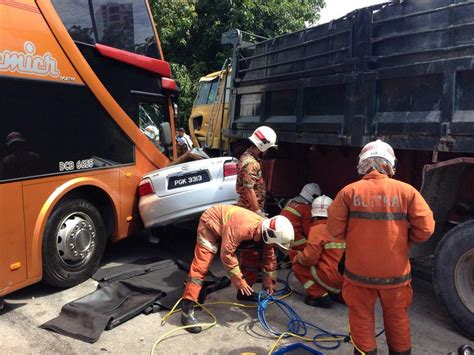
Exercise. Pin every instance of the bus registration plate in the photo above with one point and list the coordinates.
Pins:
(175, 182)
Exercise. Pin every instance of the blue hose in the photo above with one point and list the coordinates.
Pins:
(296, 324)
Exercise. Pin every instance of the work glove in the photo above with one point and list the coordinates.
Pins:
(242, 286)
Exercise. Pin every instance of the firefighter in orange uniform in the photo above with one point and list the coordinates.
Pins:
(231, 226)
(251, 189)
(316, 266)
(379, 217)
(298, 211)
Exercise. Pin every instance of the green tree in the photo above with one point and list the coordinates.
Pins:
(190, 32)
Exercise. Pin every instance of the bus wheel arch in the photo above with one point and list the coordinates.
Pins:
(75, 235)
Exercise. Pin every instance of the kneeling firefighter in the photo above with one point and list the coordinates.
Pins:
(298, 211)
(316, 266)
(231, 226)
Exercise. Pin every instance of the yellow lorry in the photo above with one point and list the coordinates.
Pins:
(209, 114)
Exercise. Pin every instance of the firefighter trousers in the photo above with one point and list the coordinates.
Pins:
(249, 265)
(197, 271)
(395, 303)
(314, 284)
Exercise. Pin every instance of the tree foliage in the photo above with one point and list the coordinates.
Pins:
(190, 32)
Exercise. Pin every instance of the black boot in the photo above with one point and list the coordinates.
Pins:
(252, 298)
(323, 302)
(187, 316)
(392, 352)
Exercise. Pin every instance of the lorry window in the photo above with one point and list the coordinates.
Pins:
(122, 24)
(207, 92)
(40, 138)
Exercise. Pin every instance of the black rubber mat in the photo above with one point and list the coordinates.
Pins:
(124, 292)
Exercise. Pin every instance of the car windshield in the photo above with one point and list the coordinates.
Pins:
(122, 24)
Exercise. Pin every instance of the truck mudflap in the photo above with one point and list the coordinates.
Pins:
(446, 187)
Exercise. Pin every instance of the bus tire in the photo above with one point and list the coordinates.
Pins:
(452, 276)
(74, 241)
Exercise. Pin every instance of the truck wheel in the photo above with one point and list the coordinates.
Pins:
(73, 243)
(453, 276)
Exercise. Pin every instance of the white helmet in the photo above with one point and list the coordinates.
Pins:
(320, 205)
(264, 138)
(278, 230)
(310, 191)
(378, 149)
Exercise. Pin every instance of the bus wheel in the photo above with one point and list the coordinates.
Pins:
(73, 243)
(453, 276)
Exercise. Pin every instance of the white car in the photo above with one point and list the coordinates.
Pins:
(181, 192)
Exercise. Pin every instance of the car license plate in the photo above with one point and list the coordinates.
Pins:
(175, 182)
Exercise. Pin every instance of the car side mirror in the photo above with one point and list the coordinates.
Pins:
(166, 130)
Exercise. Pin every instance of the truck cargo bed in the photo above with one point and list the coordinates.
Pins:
(400, 71)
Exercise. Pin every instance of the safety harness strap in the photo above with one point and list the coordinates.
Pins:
(377, 280)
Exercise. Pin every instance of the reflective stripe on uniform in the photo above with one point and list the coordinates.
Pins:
(234, 272)
(292, 210)
(377, 280)
(228, 214)
(378, 216)
(270, 273)
(299, 242)
(298, 257)
(312, 269)
(308, 284)
(196, 281)
(207, 244)
(335, 246)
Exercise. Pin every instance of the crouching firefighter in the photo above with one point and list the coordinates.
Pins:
(230, 226)
(379, 217)
(316, 266)
(298, 211)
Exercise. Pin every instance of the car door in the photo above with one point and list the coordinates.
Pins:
(12, 235)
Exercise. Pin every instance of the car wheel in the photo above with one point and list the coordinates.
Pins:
(73, 243)
(453, 276)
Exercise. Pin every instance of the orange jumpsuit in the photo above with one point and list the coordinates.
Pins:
(378, 217)
(299, 214)
(316, 266)
(249, 176)
(230, 225)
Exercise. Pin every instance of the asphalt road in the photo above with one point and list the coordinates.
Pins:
(237, 331)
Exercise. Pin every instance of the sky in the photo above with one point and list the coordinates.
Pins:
(338, 8)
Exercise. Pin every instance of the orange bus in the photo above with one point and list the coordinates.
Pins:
(80, 83)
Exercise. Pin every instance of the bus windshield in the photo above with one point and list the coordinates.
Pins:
(122, 24)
